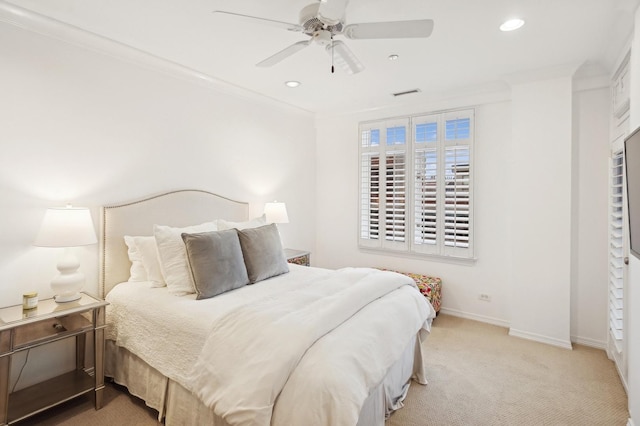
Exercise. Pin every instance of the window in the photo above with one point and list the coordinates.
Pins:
(415, 184)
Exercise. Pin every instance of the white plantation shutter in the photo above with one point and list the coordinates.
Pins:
(370, 198)
(425, 196)
(616, 252)
(419, 173)
(457, 192)
(395, 194)
(383, 184)
(427, 185)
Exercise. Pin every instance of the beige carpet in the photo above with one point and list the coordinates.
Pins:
(478, 375)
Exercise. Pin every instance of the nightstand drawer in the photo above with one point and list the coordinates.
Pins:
(49, 329)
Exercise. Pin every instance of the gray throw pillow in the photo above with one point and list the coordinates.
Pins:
(262, 251)
(216, 263)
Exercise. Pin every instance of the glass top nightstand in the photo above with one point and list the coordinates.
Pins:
(298, 257)
(23, 330)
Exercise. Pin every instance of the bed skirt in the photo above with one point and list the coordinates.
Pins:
(178, 406)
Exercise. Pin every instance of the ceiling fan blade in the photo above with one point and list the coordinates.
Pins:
(332, 11)
(391, 29)
(287, 26)
(344, 57)
(283, 54)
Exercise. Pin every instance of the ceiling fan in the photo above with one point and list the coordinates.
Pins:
(325, 19)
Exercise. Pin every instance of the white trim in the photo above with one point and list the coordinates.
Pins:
(623, 379)
(550, 73)
(583, 84)
(469, 97)
(526, 335)
(630, 422)
(52, 28)
(475, 317)
(565, 344)
(592, 343)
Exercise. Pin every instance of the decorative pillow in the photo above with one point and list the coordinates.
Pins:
(173, 257)
(137, 272)
(263, 253)
(216, 262)
(253, 223)
(146, 253)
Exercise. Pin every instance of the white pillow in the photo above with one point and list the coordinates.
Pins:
(173, 255)
(142, 251)
(137, 272)
(151, 260)
(223, 225)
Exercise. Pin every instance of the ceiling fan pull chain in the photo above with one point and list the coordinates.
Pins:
(332, 68)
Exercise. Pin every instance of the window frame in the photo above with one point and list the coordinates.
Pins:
(411, 245)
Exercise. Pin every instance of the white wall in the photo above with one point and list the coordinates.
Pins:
(82, 127)
(589, 274)
(337, 203)
(540, 201)
(582, 305)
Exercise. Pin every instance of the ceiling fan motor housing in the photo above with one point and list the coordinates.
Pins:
(312, 22)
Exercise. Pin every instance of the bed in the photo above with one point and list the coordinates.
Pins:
(306, 346)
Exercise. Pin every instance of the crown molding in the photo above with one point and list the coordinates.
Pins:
(61, 31)
(551, 73)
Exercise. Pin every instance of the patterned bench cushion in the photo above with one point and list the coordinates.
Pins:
(430, 287)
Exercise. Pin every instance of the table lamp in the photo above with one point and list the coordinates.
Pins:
(276, 212)
(67, 227)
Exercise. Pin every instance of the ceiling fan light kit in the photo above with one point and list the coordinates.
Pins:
(324, 20)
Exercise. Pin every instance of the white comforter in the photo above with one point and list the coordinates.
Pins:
(303, 348)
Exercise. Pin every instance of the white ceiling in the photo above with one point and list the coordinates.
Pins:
(465, 52)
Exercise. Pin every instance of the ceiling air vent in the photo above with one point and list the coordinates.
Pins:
(408, 92)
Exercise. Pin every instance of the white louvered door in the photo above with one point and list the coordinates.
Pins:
(617, 230)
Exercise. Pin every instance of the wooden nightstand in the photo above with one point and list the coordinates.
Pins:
(298, 257)
(22, 330)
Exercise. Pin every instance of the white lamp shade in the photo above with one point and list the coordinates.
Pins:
(276, 212)
(66, 227)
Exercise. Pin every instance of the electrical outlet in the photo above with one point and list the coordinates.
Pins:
(484, 297)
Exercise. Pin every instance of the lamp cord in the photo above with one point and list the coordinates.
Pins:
(26, 358)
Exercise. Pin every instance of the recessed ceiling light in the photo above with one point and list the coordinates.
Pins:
(292, 83)
(393, 57)
(512, 24)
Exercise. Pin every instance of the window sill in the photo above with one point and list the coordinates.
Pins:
(466, 261)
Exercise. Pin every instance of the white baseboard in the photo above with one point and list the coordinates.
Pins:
(630, 422)
(475, 317)
(623, 378)
(526, 335)
(565, 344)
(585, 341)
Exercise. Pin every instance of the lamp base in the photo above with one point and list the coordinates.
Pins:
(67, 284)
(67, 297)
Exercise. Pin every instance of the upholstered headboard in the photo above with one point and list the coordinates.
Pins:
(176, 208)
